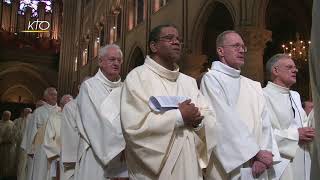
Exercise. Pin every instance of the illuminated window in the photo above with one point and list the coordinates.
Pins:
(34, 6)
(7, 1)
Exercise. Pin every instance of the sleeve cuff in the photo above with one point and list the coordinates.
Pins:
(179, 120)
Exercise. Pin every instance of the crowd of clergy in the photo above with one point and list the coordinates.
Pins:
(160, 124)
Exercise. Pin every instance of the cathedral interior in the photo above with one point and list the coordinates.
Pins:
(55, 42)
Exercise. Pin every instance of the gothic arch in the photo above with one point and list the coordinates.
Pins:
(28, 95)
(23, 67)
(136, 58)
(203, 17)
(32, 85)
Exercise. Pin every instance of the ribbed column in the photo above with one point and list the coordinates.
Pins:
(67, 49)
(55, 20)
(41, 15)
(14, 15)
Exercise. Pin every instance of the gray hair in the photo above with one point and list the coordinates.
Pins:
(64, 99)
(6, 112)
(222, 36)
(274, 61)
(46, 92)
(103, 51)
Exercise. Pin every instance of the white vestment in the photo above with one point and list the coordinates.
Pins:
(157, 146)
(69, 139)
(40, 164)
(243, 123)
(100, 131)
(315, 164)
(26, 145)
(287, 115)
(7, 148)
(21, 156)
(52, 143)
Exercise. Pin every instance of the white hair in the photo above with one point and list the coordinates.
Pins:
(274, 61)
(46, 92)
(103, 51)
(64, 99)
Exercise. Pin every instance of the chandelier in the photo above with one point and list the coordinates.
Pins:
(297, 50)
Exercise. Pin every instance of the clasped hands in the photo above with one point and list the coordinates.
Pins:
(262, 161)
(190, 114)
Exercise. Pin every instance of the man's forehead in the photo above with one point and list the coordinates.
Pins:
(169, 30)
(286, 61)
(112, 52)
(233, 37)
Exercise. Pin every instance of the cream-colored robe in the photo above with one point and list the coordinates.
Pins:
(100, 131)
(41, 116)
(285, 122)
(156, 147)
(26, 145)
(52, 141)
(70, 138)
(243, 123)
(315, 164)
(7, 148)
(21, 154)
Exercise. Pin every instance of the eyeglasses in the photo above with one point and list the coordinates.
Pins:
(237, 47)
(288, 68)
(171, 39)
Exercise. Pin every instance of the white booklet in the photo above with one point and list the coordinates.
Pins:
(165, 103)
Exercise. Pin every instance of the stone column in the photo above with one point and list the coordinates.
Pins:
(255, 39)
(55, 20)
(14, 15)
(27, 16)
(67, 50)
(41, 15)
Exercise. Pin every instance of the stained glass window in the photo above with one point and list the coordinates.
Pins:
(34, 6)
(7, 1)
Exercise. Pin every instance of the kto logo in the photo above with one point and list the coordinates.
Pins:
(38, 26)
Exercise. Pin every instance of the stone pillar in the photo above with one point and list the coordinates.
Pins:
(27, 16)
(1, 6)
(14, 15)
(255, 39)
(41, 15)
(55, 20)
(68, 47)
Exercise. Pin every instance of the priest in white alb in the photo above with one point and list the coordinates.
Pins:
(164, 117)
(21, 156)
(70, 137)
(41, 116)
(244, 131)
(52, 141)
(7, 146)
(101, 140)
(27, 139)
(289, 121)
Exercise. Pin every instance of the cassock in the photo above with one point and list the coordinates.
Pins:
(157, 146)
(70, 138)
(41, 116)
(21, 156)
(101, 140)
(287, 115)
(243, 124)
(26, 145)
(52, 143)
(7, 148)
